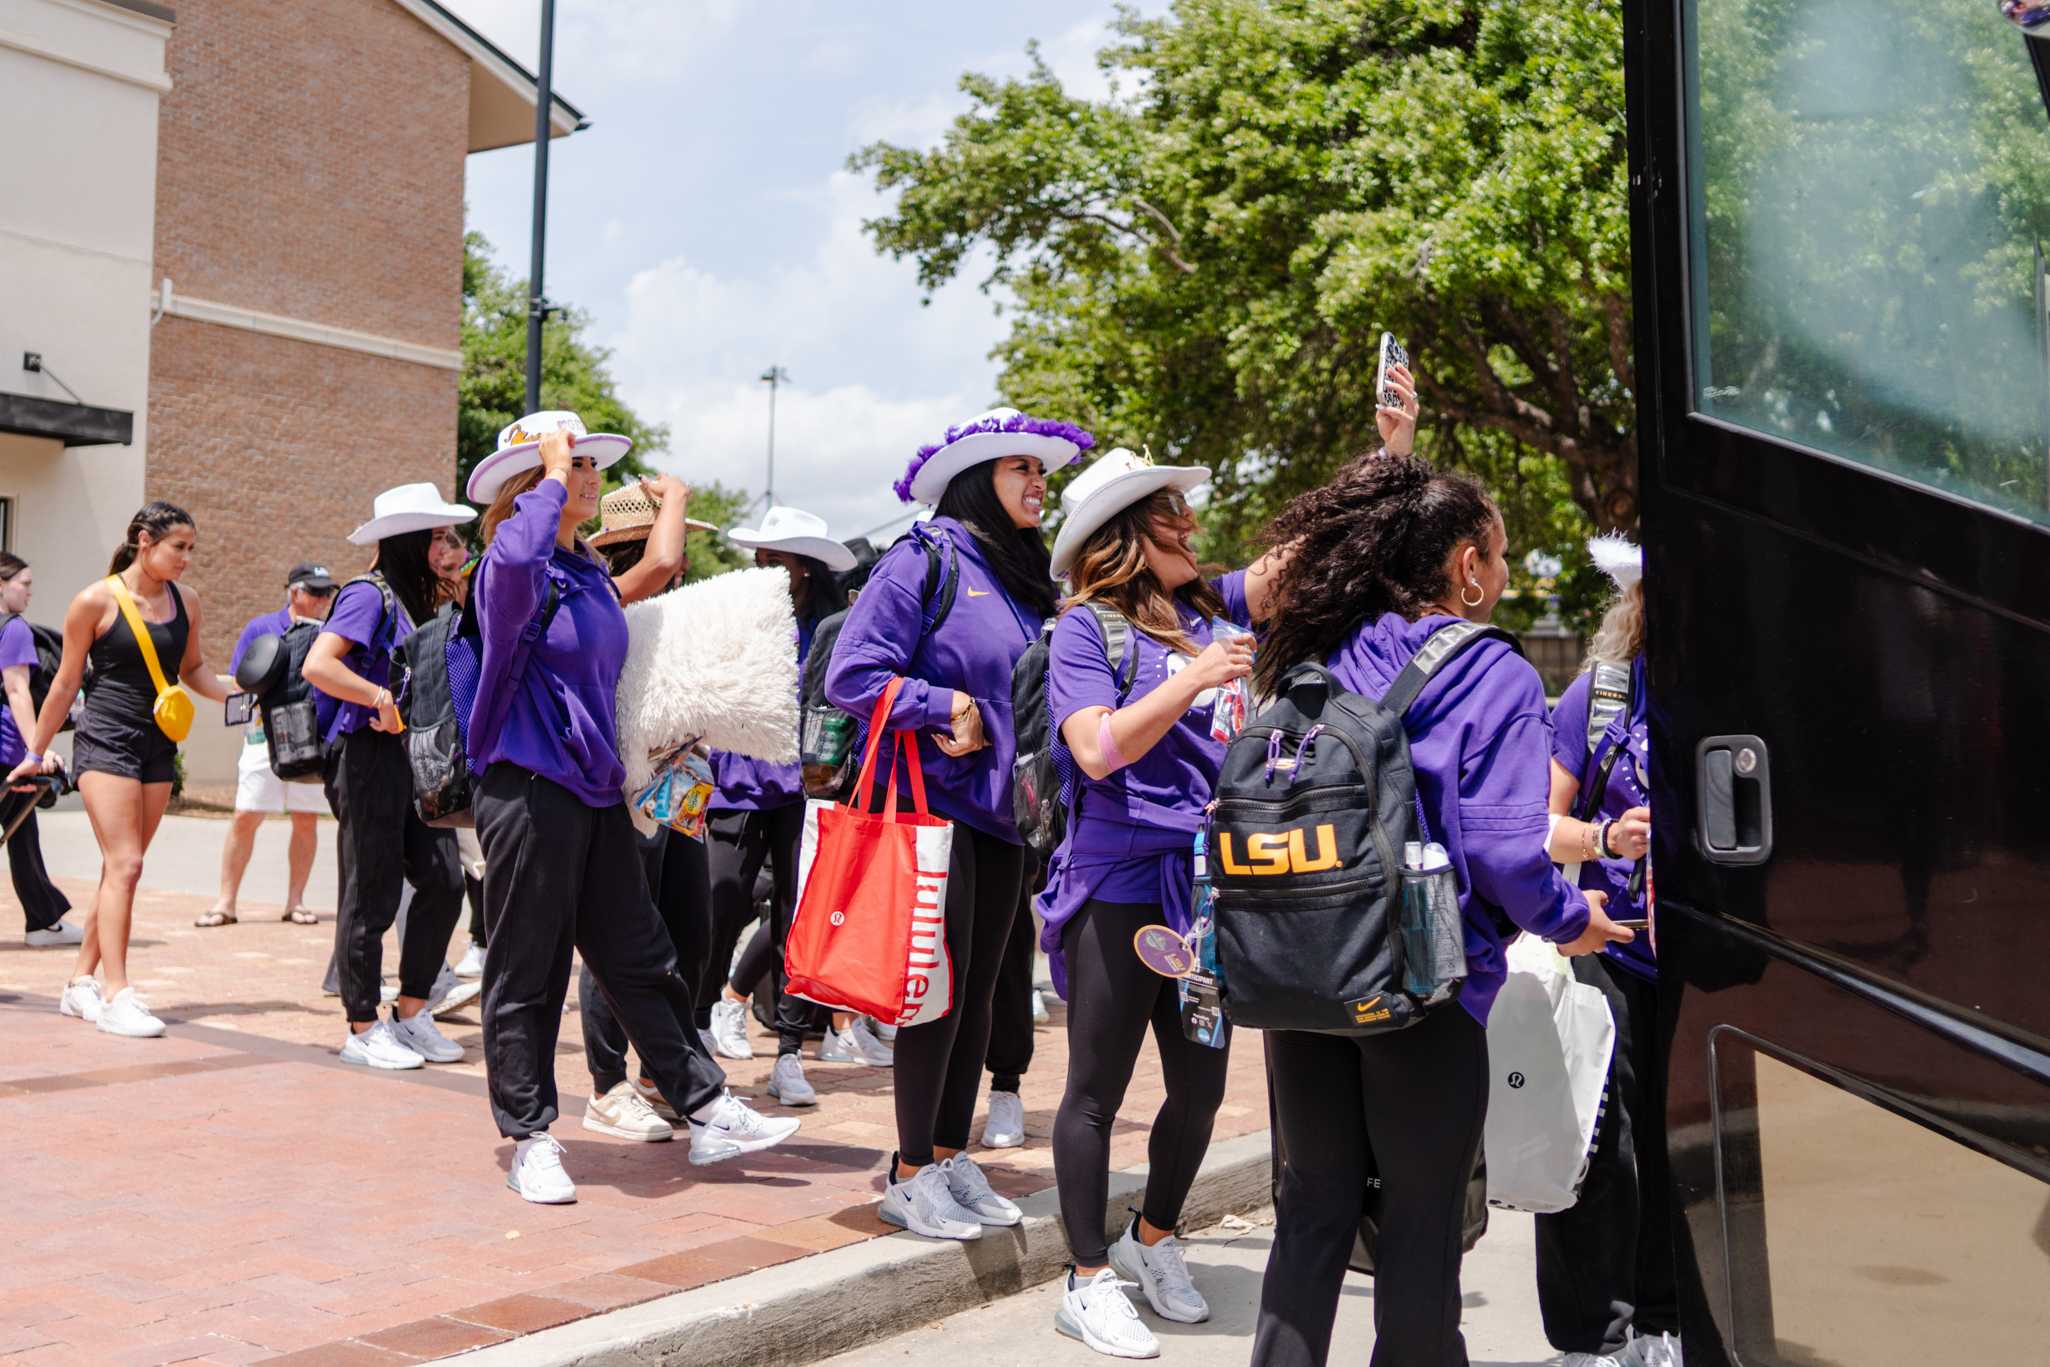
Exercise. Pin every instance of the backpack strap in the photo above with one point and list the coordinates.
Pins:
(1443, 645)
(1608, 696)
(389, 626)
(1115, 631)
(942, 576)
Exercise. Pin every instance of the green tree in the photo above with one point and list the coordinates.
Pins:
(1205, 261)
(711, 553)
(574, 373)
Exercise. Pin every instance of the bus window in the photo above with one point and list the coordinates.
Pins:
(1871, 183)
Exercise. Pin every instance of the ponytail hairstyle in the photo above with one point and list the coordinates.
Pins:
(157, 518)
(1112, 569)
(11, 566)
(1372, 541)
(405, 562)
(1017, 554)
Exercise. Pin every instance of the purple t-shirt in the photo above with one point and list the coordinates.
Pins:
(359, 619)
(1479, 740)
(17, 647)
(559, 718)
(1626, 789)
(269, 624)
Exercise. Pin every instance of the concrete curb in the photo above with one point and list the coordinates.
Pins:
(830, 1302)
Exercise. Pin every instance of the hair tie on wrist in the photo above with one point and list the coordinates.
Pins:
(1107, 744)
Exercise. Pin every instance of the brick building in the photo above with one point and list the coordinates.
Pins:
(307, 273)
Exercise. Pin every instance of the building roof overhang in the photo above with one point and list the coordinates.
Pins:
(74, 424)
(502, 92)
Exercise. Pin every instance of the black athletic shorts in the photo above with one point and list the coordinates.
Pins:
(107, 745)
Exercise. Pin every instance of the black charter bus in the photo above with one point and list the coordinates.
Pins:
(1839, 217)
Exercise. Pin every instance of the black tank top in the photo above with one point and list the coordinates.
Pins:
(121, 689)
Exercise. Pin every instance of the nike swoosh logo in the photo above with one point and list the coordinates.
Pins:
(979, 593)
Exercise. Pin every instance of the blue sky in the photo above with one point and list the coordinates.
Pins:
(707, 222)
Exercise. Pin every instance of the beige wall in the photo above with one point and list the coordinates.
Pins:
(80, 84)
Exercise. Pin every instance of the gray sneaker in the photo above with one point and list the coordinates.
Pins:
(924, 1204)
(855, 1044)
(971, 1191)
(787, 1084)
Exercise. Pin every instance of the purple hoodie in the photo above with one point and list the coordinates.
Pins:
(1480, 740)
(560, 718)
(973, 651)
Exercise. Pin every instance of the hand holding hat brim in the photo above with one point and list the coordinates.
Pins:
(492, 472)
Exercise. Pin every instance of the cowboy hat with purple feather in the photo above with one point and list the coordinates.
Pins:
(992, 436)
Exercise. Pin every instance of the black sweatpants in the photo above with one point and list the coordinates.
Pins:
(563, 877)
(939, 1064)
(737, 845)
(1112, 999)
(42, 904)
(1605, 1266)
(380, 844)
(1009, 1056)
(1410, 1106)
(675, 868)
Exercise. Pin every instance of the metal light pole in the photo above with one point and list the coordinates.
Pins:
(772, 377)
(537, 303)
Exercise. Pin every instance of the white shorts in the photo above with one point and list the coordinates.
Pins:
(257, 789)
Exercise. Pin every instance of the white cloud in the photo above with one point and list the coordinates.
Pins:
(597, 43)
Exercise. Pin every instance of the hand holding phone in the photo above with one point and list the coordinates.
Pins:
(1392, 355)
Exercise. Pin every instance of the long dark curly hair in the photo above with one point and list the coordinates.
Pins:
(1372, 541)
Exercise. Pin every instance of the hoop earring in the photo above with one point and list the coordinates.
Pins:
(1477, 600)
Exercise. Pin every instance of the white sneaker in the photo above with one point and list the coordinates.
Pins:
(128, 1016)
(656, 1102)
(787, 1084)
(1162, 1272)
(735, 1128)
(856, 1044)
(886, 1033)
(1645, 1351)
(729, 1030)
(972, 1192)
(622, 1114)
(81, 999)
(1040, 1015)
(63, 933)
(377, 1047)
(420, 1035)
(924, 1204)
(451, 993)
(1005, 1128)
(537, 1172)
(1626, 1356)
(1098, 1313)
(472, 962)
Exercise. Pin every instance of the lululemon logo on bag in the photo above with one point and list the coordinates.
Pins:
(838, 918)
(1276, 852)
(1516, 1081)
(928, 929)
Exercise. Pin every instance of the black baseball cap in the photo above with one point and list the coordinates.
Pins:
(310, 576)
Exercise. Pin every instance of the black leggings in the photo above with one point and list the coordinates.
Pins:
(42, 904)
(561, 876)
(1112, 998)
(1411, 1107)
(381, 844)
(737, 845)
(939, 1065)
(675, 869)
(1010, 1014)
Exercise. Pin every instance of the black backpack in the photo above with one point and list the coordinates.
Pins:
(1042, 777)
(442, 659)
(49, 655)
(272, 669)
(1314, 804)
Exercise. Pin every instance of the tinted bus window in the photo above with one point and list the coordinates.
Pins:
(1871, 180)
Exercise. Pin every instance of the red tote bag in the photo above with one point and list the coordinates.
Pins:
(869, 935)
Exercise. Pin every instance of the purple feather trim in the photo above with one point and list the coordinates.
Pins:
(1017, 422)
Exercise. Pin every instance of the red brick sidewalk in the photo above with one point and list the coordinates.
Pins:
(231, 1192)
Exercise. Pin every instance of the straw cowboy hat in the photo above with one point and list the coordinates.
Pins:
(628, 514)
(992, 436)
(409, 508)
(1614, 555)
(798, 532)
(1114, 483)
(519, 450)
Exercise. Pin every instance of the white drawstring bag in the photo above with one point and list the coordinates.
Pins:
(1550, 1040)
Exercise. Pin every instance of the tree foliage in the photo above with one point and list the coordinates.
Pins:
(1205, 261)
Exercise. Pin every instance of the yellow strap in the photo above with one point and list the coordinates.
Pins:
(141, 630)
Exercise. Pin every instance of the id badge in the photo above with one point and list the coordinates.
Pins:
(1203, 1019)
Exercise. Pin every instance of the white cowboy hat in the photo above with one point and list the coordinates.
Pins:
(798, 532)
(408, 508)
(989, 436)
(1614, 555)
(519, 450)
(1114, 483)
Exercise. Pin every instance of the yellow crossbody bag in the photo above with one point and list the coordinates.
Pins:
(174, 710)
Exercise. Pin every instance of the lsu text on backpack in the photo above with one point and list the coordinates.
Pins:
(1313, 806)
(49, 643)
(273, 671)
(443, 658)
(1042, 774)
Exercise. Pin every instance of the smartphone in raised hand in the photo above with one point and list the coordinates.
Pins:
(1392, 355)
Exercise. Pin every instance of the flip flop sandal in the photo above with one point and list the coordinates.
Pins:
(300, 916)
(210, 919)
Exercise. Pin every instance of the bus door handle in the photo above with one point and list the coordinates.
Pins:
(1733, 801)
